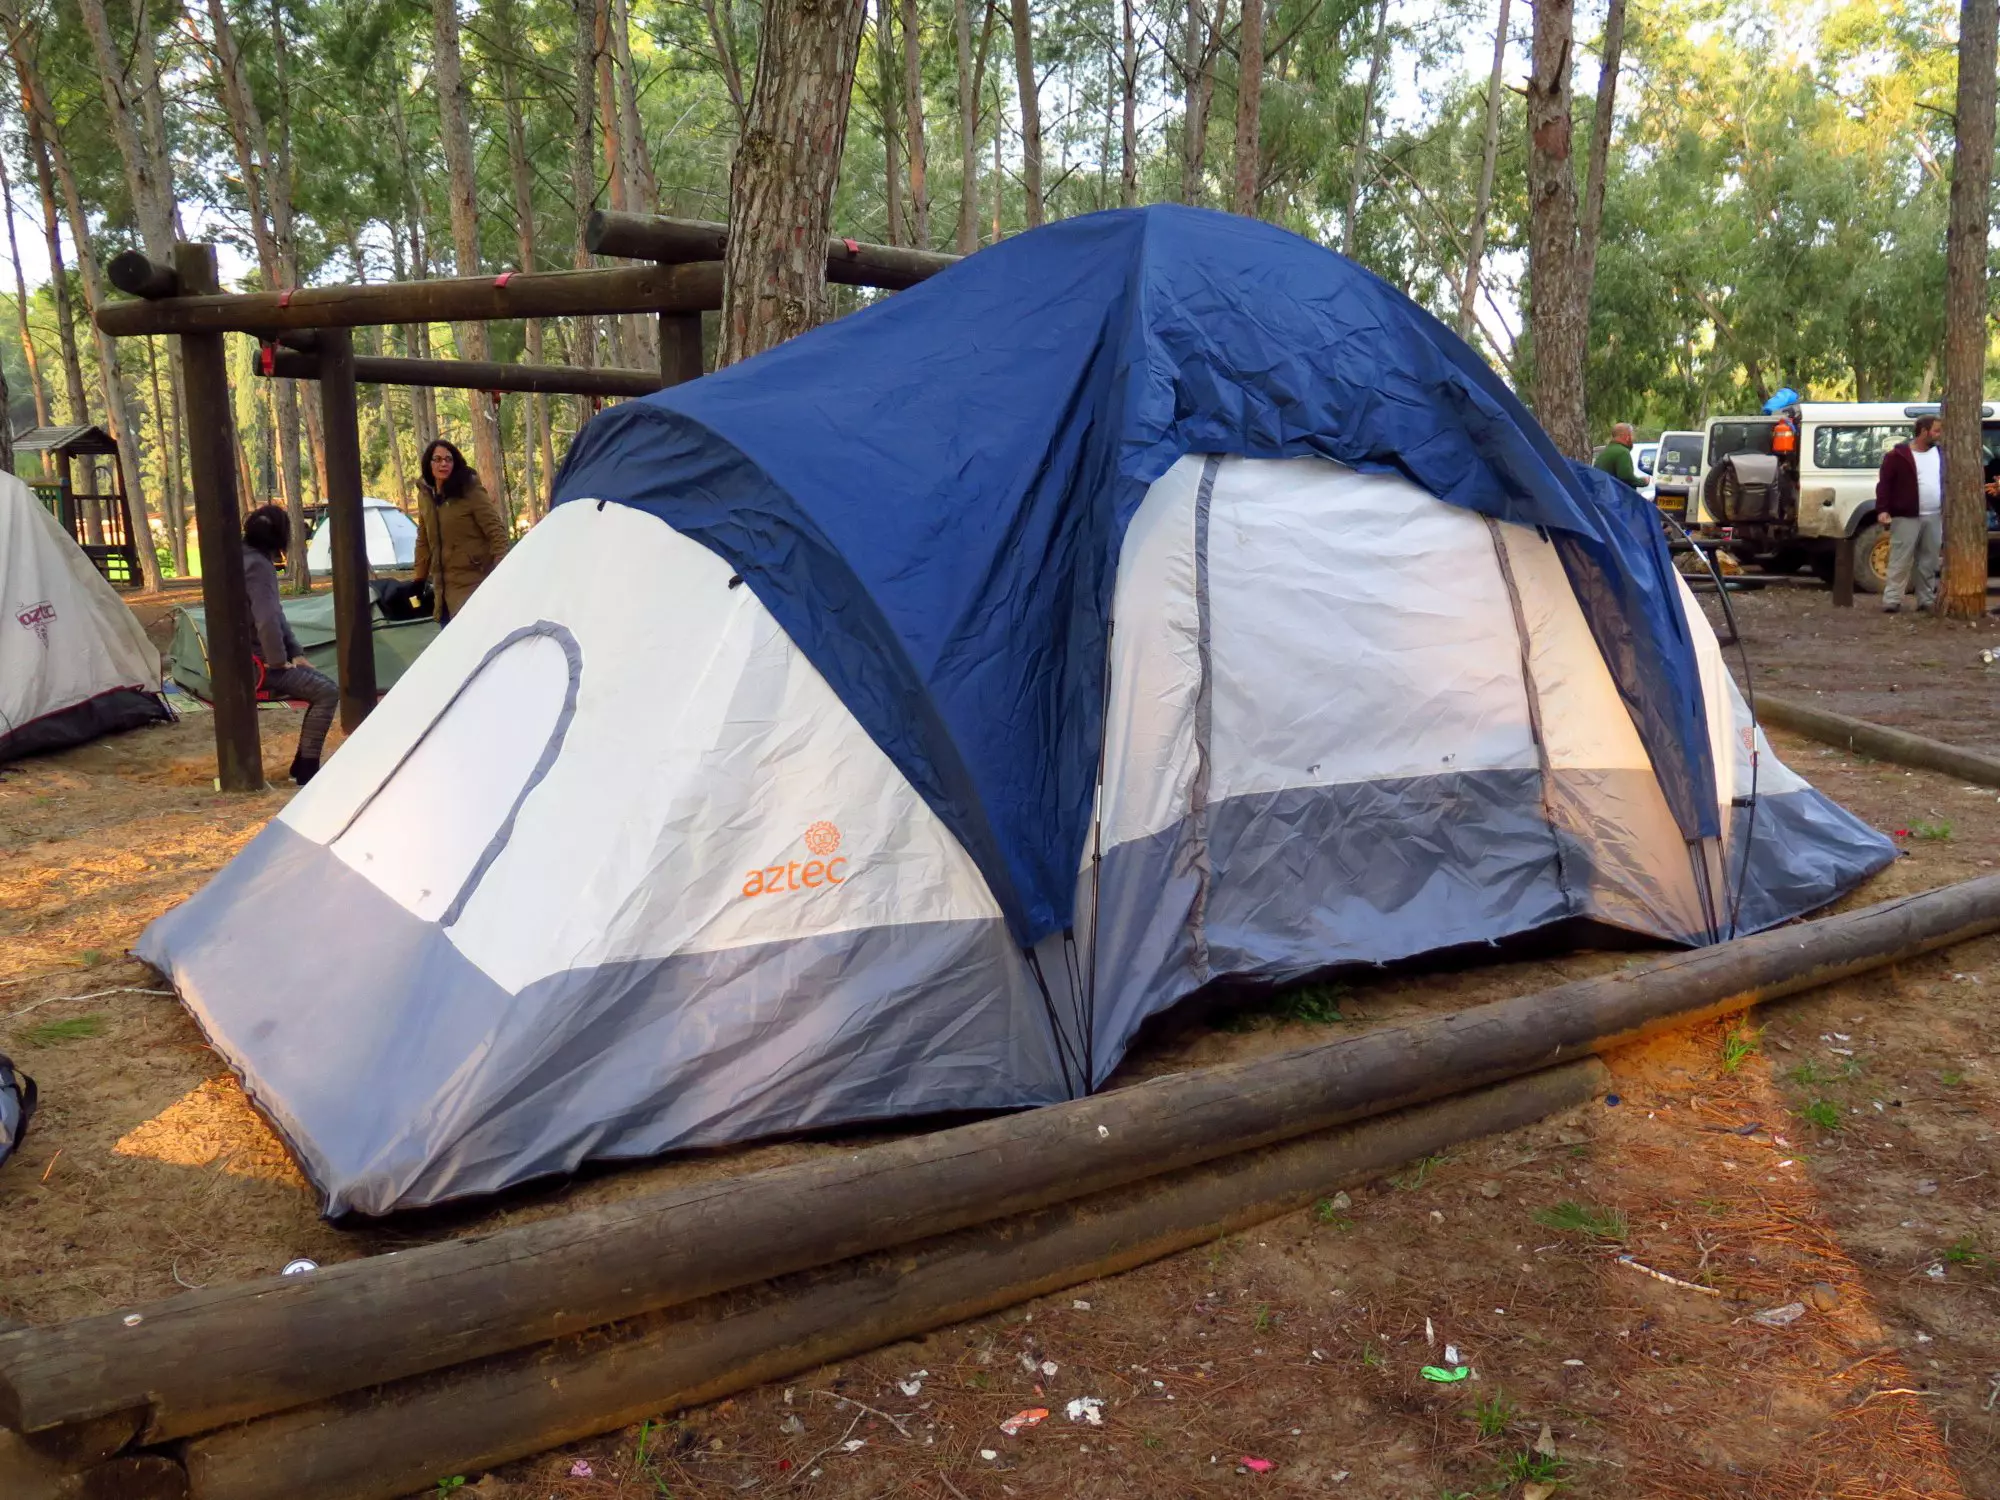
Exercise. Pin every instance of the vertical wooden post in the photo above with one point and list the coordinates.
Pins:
(680, 347)
(353, 607)
(239, 756)
(1843, 571)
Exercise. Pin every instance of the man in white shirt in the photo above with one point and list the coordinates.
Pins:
(1909, 500)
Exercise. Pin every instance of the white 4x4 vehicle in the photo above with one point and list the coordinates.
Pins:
(1786, 510)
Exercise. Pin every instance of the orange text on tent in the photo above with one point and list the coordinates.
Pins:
(795, 876)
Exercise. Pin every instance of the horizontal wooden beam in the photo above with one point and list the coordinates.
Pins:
(461, 299)
(282, 1341)
(470, 375)
(849, 262)
(396, 1439)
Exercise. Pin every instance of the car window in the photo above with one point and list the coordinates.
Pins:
(1642, 456)
(1727, 439)
(1680, 455)
(1857, 445)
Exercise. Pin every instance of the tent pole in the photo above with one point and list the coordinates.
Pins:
(354, 640)
(239, 756)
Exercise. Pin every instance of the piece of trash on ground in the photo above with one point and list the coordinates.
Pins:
(1256, 1465)
(1086, 1409)
(1537, 1491)
(580, 1469)
(792, 1426)
(299, 1267)
(1446, 1377)
(1028, 1418)
(1778, 1317)
(913, 1385)
(1936, 1272)
(854, 1445)
(1049, 1368)
(1430, 1333)
(1080, 1306)
(1546, 1443)
(1451, 1355)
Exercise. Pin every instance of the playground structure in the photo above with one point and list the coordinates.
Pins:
(306, 333)
(99, 519)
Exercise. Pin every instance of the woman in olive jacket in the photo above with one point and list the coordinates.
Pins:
(460, 535)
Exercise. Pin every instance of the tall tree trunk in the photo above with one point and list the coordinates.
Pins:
(640, 183)
(522, 177)
(890, 91)
(267, 189)
(171, 502)
(148, 180)
(1968, 314)
(456, 132)
(913, 103)
(1128, 94)
(1031, 110)
(1599, 161)
(782, 181)
(607, 105)
(1475, 250)
(1557, 297)
(1358, 172)
(583, 178)
(999, 172)
(1201, 43)
(21, 304)
(38, 146)
(721, 16)
(1249, 101)
(968, 131)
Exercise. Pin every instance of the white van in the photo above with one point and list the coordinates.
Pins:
(1840, 448)
(1677, 471)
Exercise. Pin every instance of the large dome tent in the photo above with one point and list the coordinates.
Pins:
(893, 722)
(74, 661)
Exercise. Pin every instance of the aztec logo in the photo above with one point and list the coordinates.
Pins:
(830, 868)
(38, 618)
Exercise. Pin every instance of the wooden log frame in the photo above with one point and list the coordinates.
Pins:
(1878, 740)
(681, 241)
(353, 605)
(281, 1342)
(239, 754)
(391, 1440)
(468, 374)
(459, 299)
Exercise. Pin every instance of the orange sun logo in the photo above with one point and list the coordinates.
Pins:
(822, 838)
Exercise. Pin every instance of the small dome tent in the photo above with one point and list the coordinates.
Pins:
(74, 662)
(894, 721)
(391, 537)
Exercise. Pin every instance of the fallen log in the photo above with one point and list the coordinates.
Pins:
(1878, 740)
(283, 1341)
(404, 1437)
(678, 241)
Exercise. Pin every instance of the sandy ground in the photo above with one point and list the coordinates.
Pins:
(1835, 1152)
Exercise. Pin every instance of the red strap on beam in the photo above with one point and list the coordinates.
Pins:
(853, 247)
(285, 297)
(503, 278)
(267, 358)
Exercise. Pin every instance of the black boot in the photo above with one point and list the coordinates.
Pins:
(303, 770)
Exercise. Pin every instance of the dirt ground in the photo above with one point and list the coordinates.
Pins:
(1831, 1158)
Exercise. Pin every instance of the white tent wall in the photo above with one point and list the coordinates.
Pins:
(74, 661)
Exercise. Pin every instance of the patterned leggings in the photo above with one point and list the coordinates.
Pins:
(321, 698)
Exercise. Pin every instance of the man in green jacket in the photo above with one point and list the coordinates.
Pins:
(1615, 458)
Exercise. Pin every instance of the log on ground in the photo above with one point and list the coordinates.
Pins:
(400, 1438)
(1878, 740)
(283, 1341)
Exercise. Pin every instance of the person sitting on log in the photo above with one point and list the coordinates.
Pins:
(283, 671)
(460, 534)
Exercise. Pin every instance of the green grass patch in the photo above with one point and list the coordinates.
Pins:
(1738, 1044)
(1806, 1075)
(1492, 1416)
(1532, 1468)
(1419, 1174)
(1570, 1217)
(1963, 1252)
(1823, 1113)
(1313, 1005)
(1936, 832)
(55, 1033)
(1951, 1080)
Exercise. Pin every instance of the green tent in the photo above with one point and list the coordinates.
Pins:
(396, 644)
